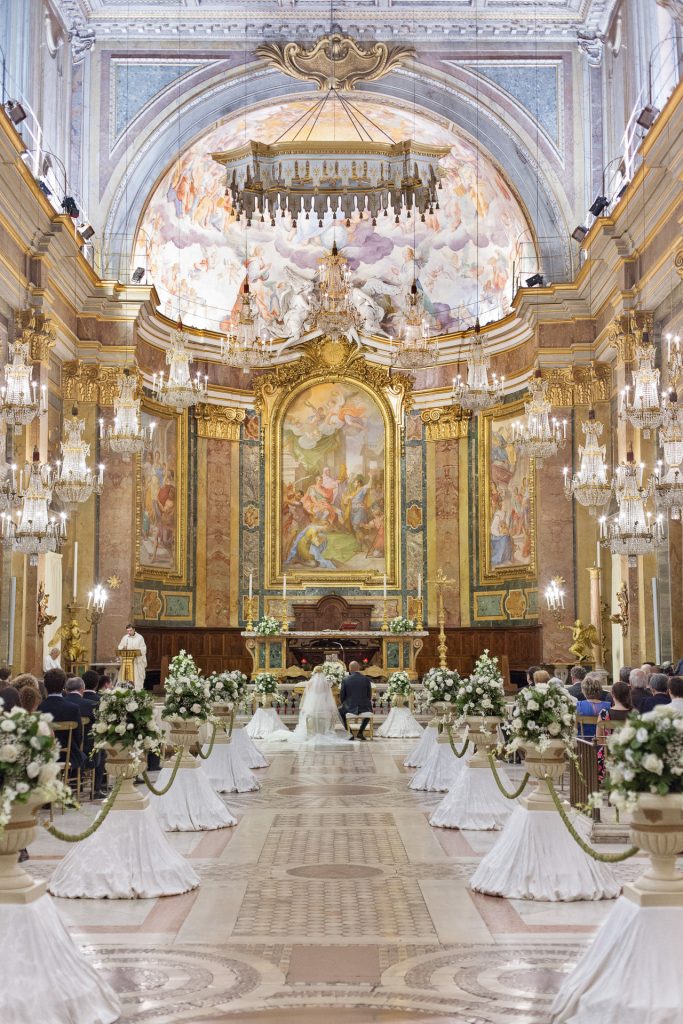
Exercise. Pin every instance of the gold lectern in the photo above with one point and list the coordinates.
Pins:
(127, 669)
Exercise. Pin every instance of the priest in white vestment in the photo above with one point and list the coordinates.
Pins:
(133, 641)
(51, 659)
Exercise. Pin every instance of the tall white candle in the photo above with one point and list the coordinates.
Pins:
(385, 587)
(251, 585)
(419, 585)
(75, 587)
(597, 557)
(284, 587)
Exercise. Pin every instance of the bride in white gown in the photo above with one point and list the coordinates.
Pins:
(318, 713)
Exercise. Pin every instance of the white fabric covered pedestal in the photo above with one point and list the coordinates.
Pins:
(249, 752)
(226, 769)
(631, 973)
(128, 857)
(45, 978)
(400, 724)
(191, 805)
(535, 858)
(474, 802)
(419, 754)
(266, 724)
(439, 771)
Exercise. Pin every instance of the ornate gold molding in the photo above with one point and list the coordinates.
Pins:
(446, 424)
(627, 329)
(335, 60)
(36, 328)
(218, 422)
(89, 382)
(678, 261)
(579, 385)
(333, 360)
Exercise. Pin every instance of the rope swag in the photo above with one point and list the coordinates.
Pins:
(232, 722)
(207, 755)
(515, 793)
(160, 792)
(458, 753)
(604, 858)
(66, 837)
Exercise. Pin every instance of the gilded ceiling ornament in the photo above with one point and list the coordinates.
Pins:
(218, 422)
(446, 424)
(335, 61)
(114, 582)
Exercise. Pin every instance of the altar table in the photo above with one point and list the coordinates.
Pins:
(396, 652)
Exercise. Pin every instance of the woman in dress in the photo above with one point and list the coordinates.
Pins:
(318, 713)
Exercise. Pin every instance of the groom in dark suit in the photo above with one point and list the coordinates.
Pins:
(356, 697)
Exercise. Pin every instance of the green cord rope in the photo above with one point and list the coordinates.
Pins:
(207, 755)
(517, 792)
(66, 837)
(232, 722)
(460, 753)
(160, 792)
(605, 858)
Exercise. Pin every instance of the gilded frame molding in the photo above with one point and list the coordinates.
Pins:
(487, 573)
(178, 575)
(326, 362)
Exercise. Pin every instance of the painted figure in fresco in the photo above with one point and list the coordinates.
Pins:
(165, 516)
(317, 503)
(501, 541)
(308, 548)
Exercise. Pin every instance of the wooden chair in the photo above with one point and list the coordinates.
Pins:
(85, 775)
(65, 767)
(353, 723)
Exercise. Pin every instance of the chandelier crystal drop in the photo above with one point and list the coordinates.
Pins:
(179, 390)
(332, 310)
(34, 530)
(74, 480)
(591, 485)
(20, 399)
(645, 410)
(541, 435)
(416, 348)
(126, 436)
(242, 346)
(668, 476)
(633, 531)
(477, 392)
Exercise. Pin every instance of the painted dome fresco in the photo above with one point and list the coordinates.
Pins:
(198, 255)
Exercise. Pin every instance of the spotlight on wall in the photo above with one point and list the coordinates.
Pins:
(15, 111)
(44, 188)
(647, 117)
(600, 203)
(87, 232)
(579, 233)
(69, 206)
(535, 279)
(138, 275)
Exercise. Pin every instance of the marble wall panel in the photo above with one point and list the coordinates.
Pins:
(218, 542)
(445, 509)
(116, 552)
(555, 553)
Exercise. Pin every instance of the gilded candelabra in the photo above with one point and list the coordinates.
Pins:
(250, 614)
(385, 617)
(418, 614)
(284, 617)
(441, 581)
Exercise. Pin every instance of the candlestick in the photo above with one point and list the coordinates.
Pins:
(284, 617)
(75, 586)
(251, 585)
(250, 615)
(419, 585)
(384, 594)
(284, 587)
(597, 557)
(385, 620)
(418, 615)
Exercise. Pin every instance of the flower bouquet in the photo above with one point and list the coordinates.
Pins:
(401, 624)
(223, 688)
(267, 626)
(482, 695)
(334, 670)
(183, 664)
(187, 697)
(265, 685)
(542, 714)
(441, 686)
(29, 756)
(398, 688)
(645, 756)
(124, 720)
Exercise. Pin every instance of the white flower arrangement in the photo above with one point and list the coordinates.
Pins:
(29, 762)
(265, 684)
(267, 626)
(334, 670)
(441, 685)
(187, 697)
(401, 624)
(483, 694)
(183, 664)
(542, 713)
(645, 756)
(223, 689)
(126, 717)
(398, 685)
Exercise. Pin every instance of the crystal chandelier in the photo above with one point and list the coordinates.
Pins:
(243, 347)
(74, 480)
(646, 410)
(632, 531)
(668, 472)
(590, 485)
(179, 389)
(20, 402)
(540, 436)
(478, 392)
(416, 348)
(126, 436)
(35, 530)
(332, 311)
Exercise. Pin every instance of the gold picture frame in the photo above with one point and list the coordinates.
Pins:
(170, 426)
(510, 559)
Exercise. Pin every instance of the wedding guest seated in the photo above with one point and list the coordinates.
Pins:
(63, 710)
(676, 692)
(540, 676)
(530, 675)
(5, 676)
(640, 689)
(623, 705)
(10, 698)
(592, 705)
(577, 676)
(659, 684)
(625, 674)
(91, 685)
(29, 691)
(75, 691)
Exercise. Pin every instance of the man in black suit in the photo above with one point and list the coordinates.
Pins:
(91, 681)
(659, 684)
(63, 710)
(356, 697)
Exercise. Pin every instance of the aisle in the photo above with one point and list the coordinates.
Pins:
(332, 891)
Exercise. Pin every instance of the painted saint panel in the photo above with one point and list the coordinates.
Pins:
(333, 481)
(161, 504)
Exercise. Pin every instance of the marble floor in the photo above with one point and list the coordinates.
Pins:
(332, 901)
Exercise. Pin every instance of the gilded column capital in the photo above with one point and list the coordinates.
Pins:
(446, 424)
(89, 382)
(578, 385)
(218, 422)
(626, 331)
(36, 328)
